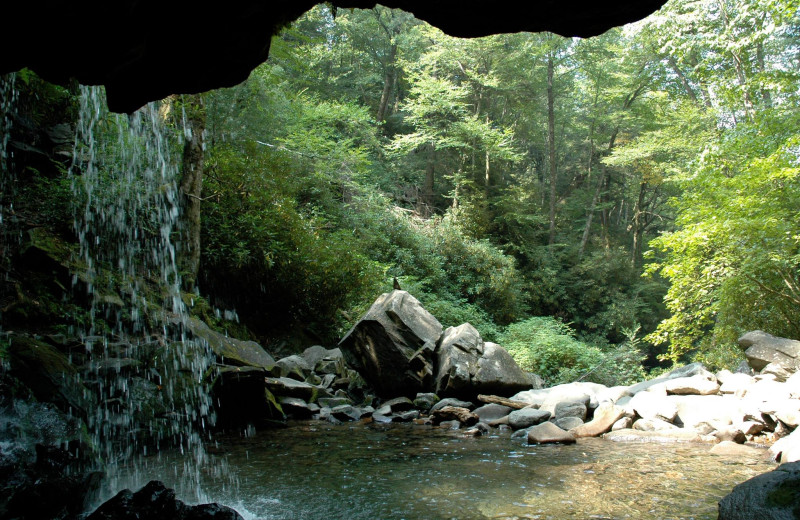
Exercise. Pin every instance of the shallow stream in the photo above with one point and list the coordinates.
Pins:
(316, 470)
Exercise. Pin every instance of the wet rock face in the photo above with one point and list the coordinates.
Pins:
(220, 47)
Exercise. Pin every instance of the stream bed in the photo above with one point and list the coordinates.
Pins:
(316, 470)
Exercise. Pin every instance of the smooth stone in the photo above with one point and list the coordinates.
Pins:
(733, 449)
(451, 401)
(549, 433)
(604, 418)
(492, 412)
(774, 495)
(519, 419)
(568, 423)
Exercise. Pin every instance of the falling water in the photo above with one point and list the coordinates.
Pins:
(147, 374)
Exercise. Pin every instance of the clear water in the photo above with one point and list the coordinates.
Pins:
(316, 470)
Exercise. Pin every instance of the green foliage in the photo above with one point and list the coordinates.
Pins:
(549, 348)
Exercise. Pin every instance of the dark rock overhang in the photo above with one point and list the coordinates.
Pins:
(143, 50)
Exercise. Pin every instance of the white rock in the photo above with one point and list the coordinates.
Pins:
(733, 383)
(650, 406)
(696, 385)
(787, 449)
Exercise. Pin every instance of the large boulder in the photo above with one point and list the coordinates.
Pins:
(762, 349)
(458, 354)
(774, 495)
(468, 366)
(787, 449)
(393, 345)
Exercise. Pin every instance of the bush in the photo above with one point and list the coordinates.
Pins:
(548, 347)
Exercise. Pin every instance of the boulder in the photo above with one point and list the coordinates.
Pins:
(622, 424)
(295, 367)
(425, 401)
(568, 392)
(695, 385)
(519, 419)
(734, 383)
(649, 405)
(774, 495)
(793, 386)
(786, 449)
(498, 373)
(652, 425)
(604, 418)
(314, 354)
(571, 409)
(492, 412)
(549, 433)
(692, 369)
(468, 366)
(458, 355)
(778, 371)
(399, 404)
(717, 410)
(393, 345)
(155, 502)
(231, 351)
(296, 407)
(567, 423)
(761, 349)
(730, 434)
(785, 410)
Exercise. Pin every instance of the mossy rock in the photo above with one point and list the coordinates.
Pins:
(231, 351)
(48, 373)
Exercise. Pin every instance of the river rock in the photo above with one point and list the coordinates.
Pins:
(777, 370)
(549, 433)
(653, 424)
(786, 449)
(733, 449)
(520, 419)
(424, 401)
(731, 434)
(454, 413)
(296, 407)
(695, 385)
(399, 404)
(393, 345)
(774, 495)
(571, 409)
(689, 370)
(604, 418)
(314, 354)
(155, 502)
(567, 423)
(649, 405)
(761, 349)
(568, 392)
(492, 412)
(785, 410)
(231, 351)
(294, 366)
(733, 383)
(662, 437)
(622, 424)
(452, 401)
(793, 386)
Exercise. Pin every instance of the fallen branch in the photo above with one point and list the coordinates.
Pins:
(496, 399)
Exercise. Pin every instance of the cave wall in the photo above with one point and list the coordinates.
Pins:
(143, 50)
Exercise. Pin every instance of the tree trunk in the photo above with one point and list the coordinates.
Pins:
(388, 83)
(637, 226)
(427, 190)
(191, 187)
(589, 217)
(551, 146)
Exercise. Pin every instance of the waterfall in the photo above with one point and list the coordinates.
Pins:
(147, 374)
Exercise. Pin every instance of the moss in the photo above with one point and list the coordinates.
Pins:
(786, 495)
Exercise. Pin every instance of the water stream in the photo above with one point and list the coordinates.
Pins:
(318, 470)
(148, 375)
